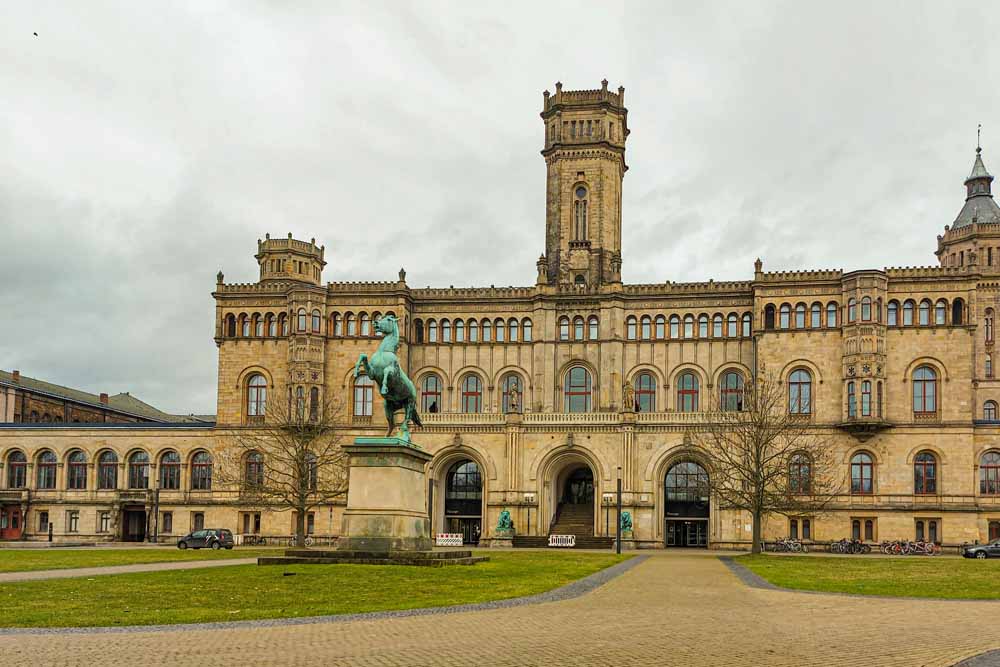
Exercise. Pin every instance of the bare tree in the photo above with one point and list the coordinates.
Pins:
(767, 458)
(291, 460)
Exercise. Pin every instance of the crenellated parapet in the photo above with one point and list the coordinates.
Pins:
(799, 276)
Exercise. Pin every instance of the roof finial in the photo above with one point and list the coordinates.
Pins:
(979, 146)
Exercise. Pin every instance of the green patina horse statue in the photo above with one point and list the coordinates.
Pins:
(396, 389)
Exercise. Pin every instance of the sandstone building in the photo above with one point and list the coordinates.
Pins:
(521, 388)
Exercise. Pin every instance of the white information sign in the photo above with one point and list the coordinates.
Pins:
(562, 540)
(449, 540)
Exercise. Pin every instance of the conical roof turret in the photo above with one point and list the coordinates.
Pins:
(979, 205)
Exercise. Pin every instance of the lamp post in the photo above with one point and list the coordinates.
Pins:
(618, 520)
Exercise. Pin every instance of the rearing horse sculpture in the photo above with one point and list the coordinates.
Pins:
(396, 389)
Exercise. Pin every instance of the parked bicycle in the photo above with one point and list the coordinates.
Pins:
(253, 541)
(789, 545)
(908, 548)
(846, 546)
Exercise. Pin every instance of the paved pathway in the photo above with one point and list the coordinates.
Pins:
(673, 609)
(6, 577)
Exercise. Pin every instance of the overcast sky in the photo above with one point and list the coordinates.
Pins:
(145, 146)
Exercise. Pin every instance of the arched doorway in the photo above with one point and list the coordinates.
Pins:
(574, 506)
(686, 505)
(463, 500)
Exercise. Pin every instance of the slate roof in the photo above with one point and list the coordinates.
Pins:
(979, 205)
(124, 402)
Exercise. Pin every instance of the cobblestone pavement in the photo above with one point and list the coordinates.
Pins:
(7, 577)
(675, 608)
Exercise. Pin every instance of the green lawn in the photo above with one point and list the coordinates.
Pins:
(248, 591)
(28, 560)
(905, 576)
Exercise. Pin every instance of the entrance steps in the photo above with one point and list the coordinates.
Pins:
(423, 558)
(576, 520)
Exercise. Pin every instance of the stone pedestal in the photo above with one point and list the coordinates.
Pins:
(502, 539)
(386, 498)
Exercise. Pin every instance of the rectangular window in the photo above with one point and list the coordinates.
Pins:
(167, 522)
(73, 521)
(806, 529)
(793, 528)
(311, 523)
(869, 530)
(198, 521)
(43, 522)
(104, 522)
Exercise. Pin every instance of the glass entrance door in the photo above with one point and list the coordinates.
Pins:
(470, 527)
(686, 533)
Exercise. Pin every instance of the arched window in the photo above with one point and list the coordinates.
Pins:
(317, 321)
(646, 327)
(487, 327)
(866, 398)
(352, 324)
(747, 325)
(511, 394)
(283, 324)
(46, 478)
(731, 392)
(271, 325)
(577, 390)
(631, 328)
(526, 329)
(593, 328)
(107, 470)
(76, 474)
(430, 394)
(988, 325)
(831, 315)
(459, 331)
(703, 326)
(862, 474)
(878, 398)
(17, 470)
(301, 323)
(258, 325)
(314, 404)
(732, 325)
(675, 326)
(717, 326)
(364, 394)
(989, 365)
(852, 405)
(418, 331)
(253, 470)
(231, 325)
(432, 331)
(925, 313)
(376, 316)
(564, 328)
(138, 470)
(170, 471)
(893, 314)
(464, 490)
(300, 403)
(800, 316)
(244, 325)
(957, 312)
(940, 312)
(925, 473)
(800, 474)
(578, 328)
(336, 325)
(498, 330)
(908, 307)
(687, 392)
(852, 306)
(800, 392)
(366, 325)
(580, 214)
(472, 394)
(645, 393)
(816, 316)
(474, 331)
(866, 309)
(989, 474)
(445, 331)
(256, 398)
(990, 410)
(924, 390)
(784, 321)
(768, 318)
(201, 472)
(689, 326)
(512, 330)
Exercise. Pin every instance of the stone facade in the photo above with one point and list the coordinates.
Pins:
(582, 372)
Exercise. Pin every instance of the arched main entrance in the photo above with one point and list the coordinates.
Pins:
(574, 496)
(686, 505)
(463, 500)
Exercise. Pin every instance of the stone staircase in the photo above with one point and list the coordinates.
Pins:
(570, 520)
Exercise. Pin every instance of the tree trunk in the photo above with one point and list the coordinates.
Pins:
(300, 527)
(755, 547)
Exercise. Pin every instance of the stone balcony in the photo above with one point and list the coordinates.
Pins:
(445, 419)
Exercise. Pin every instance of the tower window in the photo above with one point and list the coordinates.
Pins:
(580, 214)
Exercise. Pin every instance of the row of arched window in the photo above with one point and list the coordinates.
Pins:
(907, 313)
(718, 326)
(910, 313)
(107, 468)
(800, 316)
(510, 330)
(269, 325)
(352, 325)
(256, 325)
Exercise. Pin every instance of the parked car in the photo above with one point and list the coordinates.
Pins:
(212, 538)
(989, 550)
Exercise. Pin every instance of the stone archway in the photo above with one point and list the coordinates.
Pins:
(571, 497)
(459, 480)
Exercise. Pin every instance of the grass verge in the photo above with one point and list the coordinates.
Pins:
(245, 592)
(927, 577)
(32, 560)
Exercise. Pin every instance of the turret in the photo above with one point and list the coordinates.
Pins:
(289, 259)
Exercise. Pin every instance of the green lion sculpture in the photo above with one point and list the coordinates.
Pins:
(626, 522)
(504, 523)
